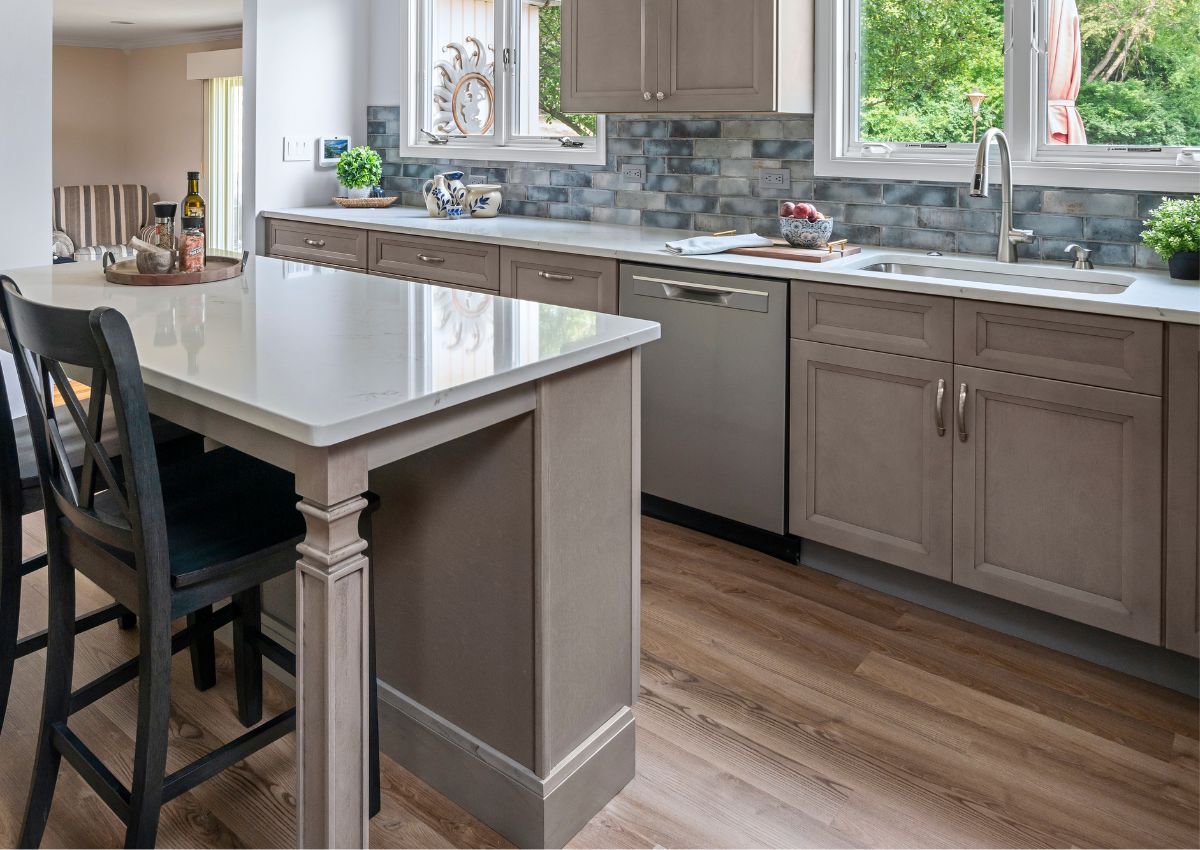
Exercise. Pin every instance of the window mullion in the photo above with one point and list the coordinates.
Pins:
(1021, 80)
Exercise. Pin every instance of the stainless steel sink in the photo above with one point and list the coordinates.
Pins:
(1004, 274)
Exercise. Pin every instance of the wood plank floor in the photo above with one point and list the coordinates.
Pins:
(780, 708)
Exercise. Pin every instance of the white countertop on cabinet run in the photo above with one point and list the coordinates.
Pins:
(322, 355)
(1152, 295)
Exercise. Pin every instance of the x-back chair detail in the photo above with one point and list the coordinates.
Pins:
(164, 542)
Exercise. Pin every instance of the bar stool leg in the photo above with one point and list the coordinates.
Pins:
(247, 658)
(150, 750)
(56, 701)
(203, 650)
(10, 605)
(127, 621)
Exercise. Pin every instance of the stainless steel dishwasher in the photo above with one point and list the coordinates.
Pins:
(714, 391)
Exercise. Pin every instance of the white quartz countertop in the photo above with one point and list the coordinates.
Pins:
(1152, 295)
(322, 356)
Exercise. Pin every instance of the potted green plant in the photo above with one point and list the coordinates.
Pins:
(358, 170)
(1173, 231)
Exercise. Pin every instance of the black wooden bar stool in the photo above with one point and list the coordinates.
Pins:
(164, 542)
(21, 495)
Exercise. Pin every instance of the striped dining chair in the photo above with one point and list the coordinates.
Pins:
(92, 220)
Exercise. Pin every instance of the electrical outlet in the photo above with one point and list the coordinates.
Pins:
(476, 179)
(774, 178)
(636, 173)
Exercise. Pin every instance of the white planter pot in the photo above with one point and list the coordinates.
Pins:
(356, 193)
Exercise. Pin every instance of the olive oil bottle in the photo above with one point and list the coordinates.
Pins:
(194, 213)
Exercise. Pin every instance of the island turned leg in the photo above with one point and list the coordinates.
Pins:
(332, 652)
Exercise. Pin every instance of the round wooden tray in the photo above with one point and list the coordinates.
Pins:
(217, 268)
(366, 203)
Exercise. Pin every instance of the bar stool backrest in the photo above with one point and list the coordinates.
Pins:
(44, 340)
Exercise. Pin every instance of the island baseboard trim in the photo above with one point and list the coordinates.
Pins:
(528, 810)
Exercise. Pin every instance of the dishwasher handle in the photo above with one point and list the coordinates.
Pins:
(701, 293)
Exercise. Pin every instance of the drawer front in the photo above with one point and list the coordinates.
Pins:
(1104, 351)
(468, 264)
(568, 280)
(891, 322)
(317, 243)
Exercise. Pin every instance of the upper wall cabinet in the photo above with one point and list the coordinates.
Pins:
(687, 56)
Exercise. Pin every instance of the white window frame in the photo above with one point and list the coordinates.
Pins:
(503, 145)
(837, 154)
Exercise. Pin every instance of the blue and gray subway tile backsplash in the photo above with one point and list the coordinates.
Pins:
(701, 176)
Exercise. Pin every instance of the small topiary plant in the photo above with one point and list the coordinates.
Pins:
(360, 168)
(1174, 227)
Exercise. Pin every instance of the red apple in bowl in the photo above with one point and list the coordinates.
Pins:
(787, 210)
(803, 211)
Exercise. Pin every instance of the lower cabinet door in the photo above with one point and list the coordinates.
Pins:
(871, 454)
(1182, 615)
(1058, 491)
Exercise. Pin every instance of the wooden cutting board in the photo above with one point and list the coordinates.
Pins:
(781, 250)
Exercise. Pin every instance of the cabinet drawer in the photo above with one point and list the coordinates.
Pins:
(568, 280)
(468, 264)
(1104, 351)
(317, 243)
(891, 322)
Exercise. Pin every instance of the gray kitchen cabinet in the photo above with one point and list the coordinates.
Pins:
(609, 55)
(687, 56)
(1182, 615)
(1058, 498)
(566, 280)
(872, 449)
(317, 243)
(472, 265)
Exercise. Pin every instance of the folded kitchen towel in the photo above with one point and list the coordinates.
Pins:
(717, 244)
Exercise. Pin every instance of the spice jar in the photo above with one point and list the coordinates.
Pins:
(191, 249)
(164, 226)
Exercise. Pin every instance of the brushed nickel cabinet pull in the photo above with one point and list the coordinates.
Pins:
(426, 258)
(316, 243)
(939, 413)
(962, 412)
(553, 276)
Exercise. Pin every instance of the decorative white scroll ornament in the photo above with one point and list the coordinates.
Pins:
(464, 90)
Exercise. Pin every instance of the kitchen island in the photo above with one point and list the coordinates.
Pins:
(502, 437)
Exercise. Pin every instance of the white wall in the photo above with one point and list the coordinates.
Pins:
(305, 68)
(385, 85)
(25, 133)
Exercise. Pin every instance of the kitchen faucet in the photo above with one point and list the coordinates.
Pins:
(1010, 237)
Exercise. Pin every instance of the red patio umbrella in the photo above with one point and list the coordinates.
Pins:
(1064, 72)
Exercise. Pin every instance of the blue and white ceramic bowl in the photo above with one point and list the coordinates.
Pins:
(802, 233)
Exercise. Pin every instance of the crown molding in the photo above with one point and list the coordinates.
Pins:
(166, 40)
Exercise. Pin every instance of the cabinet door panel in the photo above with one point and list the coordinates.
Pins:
(717, 55)
(1183, 489)
(1057, 492)
(317, 243)
(474, 265)
(568, 280)
(891, 322)
(869, 471)
(608, 52)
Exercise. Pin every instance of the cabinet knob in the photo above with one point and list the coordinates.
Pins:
(659, 96)
(646, 95)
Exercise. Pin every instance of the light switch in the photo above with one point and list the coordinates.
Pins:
(297, 149)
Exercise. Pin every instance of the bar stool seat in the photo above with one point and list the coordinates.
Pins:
(207, 501)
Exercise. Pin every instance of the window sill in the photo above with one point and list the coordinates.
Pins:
(1065, 175)
(509, 153)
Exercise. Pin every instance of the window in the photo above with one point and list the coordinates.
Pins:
(486, 82)
(223, 161)
(1099, 93)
